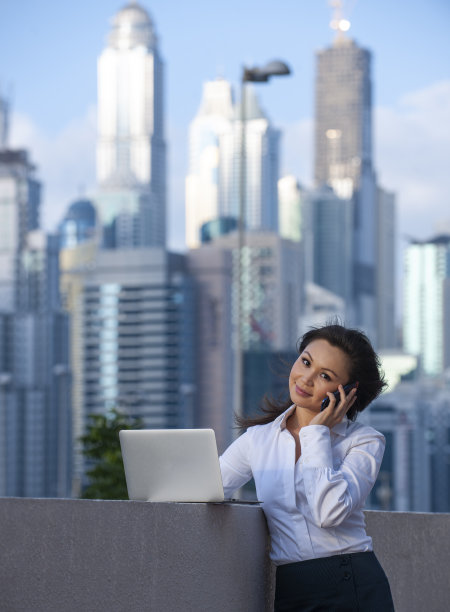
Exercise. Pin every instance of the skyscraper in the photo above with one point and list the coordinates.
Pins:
(415, 420)
(209, 182)
(328, 243)
(133, 330)
(34, 372)
(343, 157)
(210, 268)
(426, 320)
(215, 163)
(290, 200)
(272, 289)
(19, 213)
(343, 126)
(386, 270)
(131, 150)
(78, 224)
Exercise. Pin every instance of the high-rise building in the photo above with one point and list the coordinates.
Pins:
(328, 243)
(19, 213)
(343, 157)
(290, 203)
(78, 225)
(426, 308)
(41, 376)
(210, 177)
(261, 155)
(34, 372)
(271, 289)
(217, 154)
(210, 268)
(134, 316)
(131, 150)
(414, 474)
(319, 307)
(386, 270)
(343, 118)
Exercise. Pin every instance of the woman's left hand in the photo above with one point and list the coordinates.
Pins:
(333, 414)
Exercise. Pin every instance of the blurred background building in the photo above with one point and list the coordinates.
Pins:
(344, 161)
(78, 225)
(213, 180)
(35, 410)
(133, 327)
(426, 322)
(415, 472)
(131, 149)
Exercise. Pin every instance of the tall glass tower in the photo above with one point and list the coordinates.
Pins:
(343, 127)
(343, 157)
(427, 303)
(131, 150)
(215, 164)
(34, 371)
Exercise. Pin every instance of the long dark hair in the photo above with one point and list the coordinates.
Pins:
(364, 368)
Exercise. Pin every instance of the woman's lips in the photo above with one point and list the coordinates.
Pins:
(300, 391)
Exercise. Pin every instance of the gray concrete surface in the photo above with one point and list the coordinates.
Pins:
(120, 556)
(414, 549)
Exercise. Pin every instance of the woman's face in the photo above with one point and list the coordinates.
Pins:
(320, 368)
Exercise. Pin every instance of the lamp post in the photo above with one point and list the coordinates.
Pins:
(61, 373)
(5, 381)
(249, 75)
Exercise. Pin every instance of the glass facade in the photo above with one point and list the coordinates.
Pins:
(343, 160)
(131, 149)
(78, 225)
(427, 266)
(215, 164)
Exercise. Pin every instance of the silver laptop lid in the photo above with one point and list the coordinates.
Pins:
(171, 465)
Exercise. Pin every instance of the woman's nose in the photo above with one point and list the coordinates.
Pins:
(306, 378)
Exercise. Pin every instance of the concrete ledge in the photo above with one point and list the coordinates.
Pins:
(125, 556)
(414, 549)
(121, 556)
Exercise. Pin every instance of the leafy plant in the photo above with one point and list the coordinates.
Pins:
(101, 447)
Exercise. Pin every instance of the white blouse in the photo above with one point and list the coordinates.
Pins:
(314, 508)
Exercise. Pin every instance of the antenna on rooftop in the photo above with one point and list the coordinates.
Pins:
(338, 23)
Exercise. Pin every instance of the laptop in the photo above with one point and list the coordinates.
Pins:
(171, 465)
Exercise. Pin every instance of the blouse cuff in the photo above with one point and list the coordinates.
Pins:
(315, 443)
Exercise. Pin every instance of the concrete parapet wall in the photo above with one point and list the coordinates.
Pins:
(414, 549)
(121, 556)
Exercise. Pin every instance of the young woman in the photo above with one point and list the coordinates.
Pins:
(313, 470)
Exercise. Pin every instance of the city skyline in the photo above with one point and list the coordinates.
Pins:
(411, 83)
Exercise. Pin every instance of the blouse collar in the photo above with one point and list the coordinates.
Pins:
(339, 429)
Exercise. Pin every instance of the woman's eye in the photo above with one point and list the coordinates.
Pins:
(325, 376)
(305, 361)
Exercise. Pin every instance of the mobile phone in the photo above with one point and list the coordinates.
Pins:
(337, 395)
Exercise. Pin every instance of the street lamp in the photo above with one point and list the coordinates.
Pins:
(61, 373)
(249, 75)
(262, 75)
(5, 382)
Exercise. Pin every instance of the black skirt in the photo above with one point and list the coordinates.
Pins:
(343, 583)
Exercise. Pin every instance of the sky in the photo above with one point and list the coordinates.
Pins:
(48, 62)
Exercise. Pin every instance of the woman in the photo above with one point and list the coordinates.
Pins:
(313, 470)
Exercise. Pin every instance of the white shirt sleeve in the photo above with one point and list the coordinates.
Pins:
(333, 494)
(235, 464)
